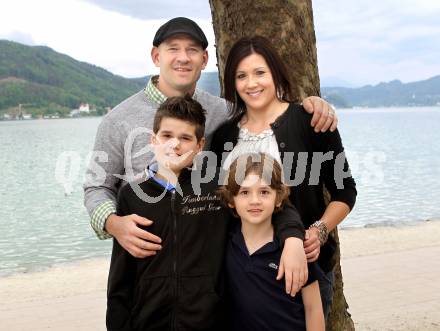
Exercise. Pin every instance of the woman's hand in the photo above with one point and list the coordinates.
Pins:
(312, 246)
(293, 265)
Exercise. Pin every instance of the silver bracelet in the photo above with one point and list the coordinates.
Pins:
(322, 231)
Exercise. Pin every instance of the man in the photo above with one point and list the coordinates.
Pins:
(179, 50)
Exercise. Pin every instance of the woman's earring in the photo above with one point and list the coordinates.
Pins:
(280, 94)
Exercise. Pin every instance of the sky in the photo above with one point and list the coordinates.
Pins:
(359, 42)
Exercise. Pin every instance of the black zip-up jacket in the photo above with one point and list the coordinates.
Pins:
(294, 137)
(180, 288)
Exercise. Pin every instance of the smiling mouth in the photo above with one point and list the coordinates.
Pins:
(254, 211)
(182, 69)
(255, 94)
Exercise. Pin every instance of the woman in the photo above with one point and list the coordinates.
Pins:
(264, 119)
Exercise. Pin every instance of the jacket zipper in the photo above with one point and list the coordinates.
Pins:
(175, 284)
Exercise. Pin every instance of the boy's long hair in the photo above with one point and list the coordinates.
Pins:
(182, 108)
(260, 164)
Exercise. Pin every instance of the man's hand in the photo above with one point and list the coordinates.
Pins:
(133, 239)
(293, 265)
(312, 246)
(324, 116)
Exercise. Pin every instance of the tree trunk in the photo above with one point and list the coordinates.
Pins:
(289, 24)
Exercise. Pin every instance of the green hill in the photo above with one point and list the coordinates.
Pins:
(43, 78)
(46, 82)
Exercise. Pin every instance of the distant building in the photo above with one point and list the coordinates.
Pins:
(84, 108)
(74, 113)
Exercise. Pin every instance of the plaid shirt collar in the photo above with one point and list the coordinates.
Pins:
(152, 92)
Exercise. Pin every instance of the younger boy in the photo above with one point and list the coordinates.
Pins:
(180, 287)
(254, 190)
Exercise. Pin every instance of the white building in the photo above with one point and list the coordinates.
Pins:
(84, 108)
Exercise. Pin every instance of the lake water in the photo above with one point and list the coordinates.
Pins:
(394, 154)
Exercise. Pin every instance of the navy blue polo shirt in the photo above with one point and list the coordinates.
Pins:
(259, 301)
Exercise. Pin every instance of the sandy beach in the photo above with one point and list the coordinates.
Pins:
(390, 280)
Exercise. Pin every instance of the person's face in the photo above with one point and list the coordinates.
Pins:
(254, 82)
(255, 201)
(181, 60)
(175, 144)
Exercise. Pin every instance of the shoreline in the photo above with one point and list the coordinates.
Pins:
(380, 239)
(393, 267)
(387, 227)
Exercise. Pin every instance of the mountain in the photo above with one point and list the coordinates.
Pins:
(394, 93)
(40, 77)
(45, 81)
(209, 82)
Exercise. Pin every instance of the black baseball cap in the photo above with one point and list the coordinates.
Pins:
(180, 25)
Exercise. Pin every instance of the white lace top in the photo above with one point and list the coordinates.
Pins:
(248, 142)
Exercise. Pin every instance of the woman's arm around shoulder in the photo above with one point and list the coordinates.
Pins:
(289, 230)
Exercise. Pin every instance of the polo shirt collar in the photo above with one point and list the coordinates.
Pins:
(238, 240)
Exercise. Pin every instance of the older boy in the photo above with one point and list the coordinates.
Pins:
(179, 287)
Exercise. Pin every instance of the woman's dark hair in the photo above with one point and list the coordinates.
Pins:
(243, 48)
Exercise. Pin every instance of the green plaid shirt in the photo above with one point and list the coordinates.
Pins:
(153, 93)
(108, 207)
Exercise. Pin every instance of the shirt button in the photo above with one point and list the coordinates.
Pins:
(228, 146)
(282, 145)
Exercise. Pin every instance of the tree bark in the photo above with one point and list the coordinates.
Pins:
(289, 24)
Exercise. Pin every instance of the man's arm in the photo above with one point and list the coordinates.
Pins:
(138, 242)
(289, 229)
(101, 186)
(100, 191)
(324, 116)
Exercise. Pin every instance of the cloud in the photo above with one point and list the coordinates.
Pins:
(87, 32)
(358, 41)
(365, 43)
(154, 10)
(18, 36)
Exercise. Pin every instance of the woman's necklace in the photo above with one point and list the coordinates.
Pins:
(258, 123)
